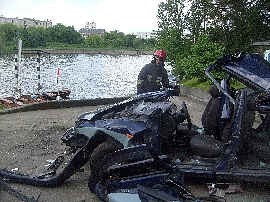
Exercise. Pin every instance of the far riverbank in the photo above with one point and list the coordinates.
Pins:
(103, 52)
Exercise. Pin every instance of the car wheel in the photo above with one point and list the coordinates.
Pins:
(101, 151)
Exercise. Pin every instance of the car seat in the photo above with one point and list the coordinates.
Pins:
(211, 114)
(208, 147)
(210, 121)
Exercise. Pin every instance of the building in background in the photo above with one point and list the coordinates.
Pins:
(147, 35)
(90, 29)
(88, 32)
(26, 22)
(90, 25)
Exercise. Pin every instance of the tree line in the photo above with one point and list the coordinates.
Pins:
(194, 33)
(61, 36)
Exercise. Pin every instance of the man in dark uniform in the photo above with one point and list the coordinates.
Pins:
(153, 76)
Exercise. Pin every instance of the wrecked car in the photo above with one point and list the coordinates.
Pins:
(233, 144)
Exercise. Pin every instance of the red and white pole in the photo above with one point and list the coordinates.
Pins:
(39, 87)
(18, 70)
(57, 80)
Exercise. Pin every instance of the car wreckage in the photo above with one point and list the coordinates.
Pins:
(145, 144)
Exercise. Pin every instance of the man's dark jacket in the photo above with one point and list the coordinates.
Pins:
(152, 78)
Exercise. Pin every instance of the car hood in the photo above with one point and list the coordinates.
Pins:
(250, 69)
(158, 96)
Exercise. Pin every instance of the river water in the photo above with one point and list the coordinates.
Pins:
(86, 76)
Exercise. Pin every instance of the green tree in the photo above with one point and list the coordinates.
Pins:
(197, 18)
(62, 34)
(11, 31)
(171, 23)
(203, 53)
(34, 37)
(9, 34)
(150, 42)
(230, 27)
(236, 23)
(94, 41)
(72, 36)
(137, 43)
(129, 40)
(114, 39)
(2, 49)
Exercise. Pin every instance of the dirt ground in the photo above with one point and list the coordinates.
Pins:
(28, 140)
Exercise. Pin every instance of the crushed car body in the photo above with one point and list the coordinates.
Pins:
(230, 146)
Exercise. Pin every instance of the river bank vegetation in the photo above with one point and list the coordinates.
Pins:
(193, 33)
(66, 38)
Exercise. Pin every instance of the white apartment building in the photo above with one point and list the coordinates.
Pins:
(26, 22)
(147, 35)
(90, 25)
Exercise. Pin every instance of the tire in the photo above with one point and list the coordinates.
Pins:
(101, 151)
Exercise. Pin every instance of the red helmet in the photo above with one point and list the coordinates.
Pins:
(161, 54)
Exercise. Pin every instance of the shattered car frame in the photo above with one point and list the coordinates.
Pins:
(232, 145)
(241, 151)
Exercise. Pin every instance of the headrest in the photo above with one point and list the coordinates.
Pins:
(214, 92)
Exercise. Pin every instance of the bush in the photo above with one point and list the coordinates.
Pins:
(203, 53)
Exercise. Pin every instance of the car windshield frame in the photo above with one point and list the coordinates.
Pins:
(250, 69)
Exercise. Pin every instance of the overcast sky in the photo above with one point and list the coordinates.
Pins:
(128, 16)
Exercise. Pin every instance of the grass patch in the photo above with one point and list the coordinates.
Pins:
(195, 83)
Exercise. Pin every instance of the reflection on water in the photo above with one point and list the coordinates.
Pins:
(87, 76)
